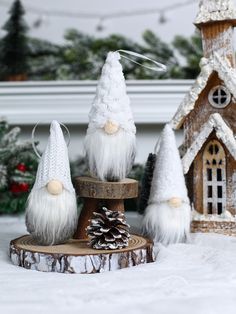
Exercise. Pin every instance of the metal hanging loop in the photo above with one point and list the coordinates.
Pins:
(159, 67)
(33, 138)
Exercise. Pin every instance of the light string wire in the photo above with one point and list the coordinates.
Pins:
(103, 16)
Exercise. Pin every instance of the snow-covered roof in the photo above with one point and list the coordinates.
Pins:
(225, 72)
(223, 133)
(215, 10)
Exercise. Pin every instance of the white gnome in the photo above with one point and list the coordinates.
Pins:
(110, 143)
(51, 212)
(167, 216)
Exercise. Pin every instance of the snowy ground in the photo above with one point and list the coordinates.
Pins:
(186, 279)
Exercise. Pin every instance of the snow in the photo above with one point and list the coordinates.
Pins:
(225, 216)
(188, 103)
(222, 43)
(215, 10)
(223, 133)
(226, 73)
(196, 278)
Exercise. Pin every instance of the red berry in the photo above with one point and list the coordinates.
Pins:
(21, 167)
(14, 188)
(24, 187)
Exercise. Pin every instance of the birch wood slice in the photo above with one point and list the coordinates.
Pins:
(76, 257)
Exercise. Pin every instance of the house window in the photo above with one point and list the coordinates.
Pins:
(214, 179)
(219, 97)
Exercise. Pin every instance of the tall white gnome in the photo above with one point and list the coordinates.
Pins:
(110, 142)
(167, 216)
(51, 213)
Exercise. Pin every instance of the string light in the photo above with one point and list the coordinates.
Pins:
(102, 17)
(162, 18)
(100, 26)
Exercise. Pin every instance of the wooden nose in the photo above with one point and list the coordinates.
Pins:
(54, 187)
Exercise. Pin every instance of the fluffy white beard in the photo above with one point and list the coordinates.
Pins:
(110, 157)
(166, 224)
(51, 219)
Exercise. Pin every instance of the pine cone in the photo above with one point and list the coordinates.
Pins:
(108, 230)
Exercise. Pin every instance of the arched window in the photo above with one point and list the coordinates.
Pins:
(214, 179)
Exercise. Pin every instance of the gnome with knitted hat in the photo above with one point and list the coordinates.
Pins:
(110, 142)
(167, 216)
(51, 213)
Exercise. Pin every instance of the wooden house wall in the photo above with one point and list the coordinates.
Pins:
(194, 179)
(202, 111)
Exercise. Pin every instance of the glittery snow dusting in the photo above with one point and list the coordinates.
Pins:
(215, 10)
(226, 73)
(223, 133)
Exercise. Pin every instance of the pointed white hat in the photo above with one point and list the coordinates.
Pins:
(168, 178)
(54, 163)
(111, 102)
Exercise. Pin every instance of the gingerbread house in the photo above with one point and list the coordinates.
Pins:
(208, 118)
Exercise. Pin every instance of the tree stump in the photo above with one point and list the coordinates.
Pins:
(93, 191)
(76, 257)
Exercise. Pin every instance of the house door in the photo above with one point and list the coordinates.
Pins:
(214, 179)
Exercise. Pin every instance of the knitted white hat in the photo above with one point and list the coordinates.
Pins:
(168, 178)
(54, 163)
(111, 102)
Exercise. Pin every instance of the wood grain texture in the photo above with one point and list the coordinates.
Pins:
(94, 191)
(214, 37)
(90, 205)
(76, 257)
(94, 188)
(222, 227)
(192, 125)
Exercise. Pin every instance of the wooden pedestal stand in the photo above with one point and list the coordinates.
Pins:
(76, 256)
(111, 194)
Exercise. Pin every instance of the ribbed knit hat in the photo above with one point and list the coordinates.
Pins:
(54, 163)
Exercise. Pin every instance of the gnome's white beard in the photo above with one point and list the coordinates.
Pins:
(51, 219)
(166, 224)
(110, 157)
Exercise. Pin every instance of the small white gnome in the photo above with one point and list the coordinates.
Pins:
(110, 143)
(51, 213)
(167, 216)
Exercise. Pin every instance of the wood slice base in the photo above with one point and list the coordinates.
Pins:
(76, 257)
(222, 227)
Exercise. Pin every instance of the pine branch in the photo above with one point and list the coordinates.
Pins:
(146, 182)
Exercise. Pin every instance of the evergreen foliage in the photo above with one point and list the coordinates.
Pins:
(44, 59)
(146, 182)
(14, 45)
(191, 51)
(18, 167)
(82, 56)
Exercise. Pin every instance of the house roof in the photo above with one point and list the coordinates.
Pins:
(215, 10)
(223, 133)
(225, 72)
